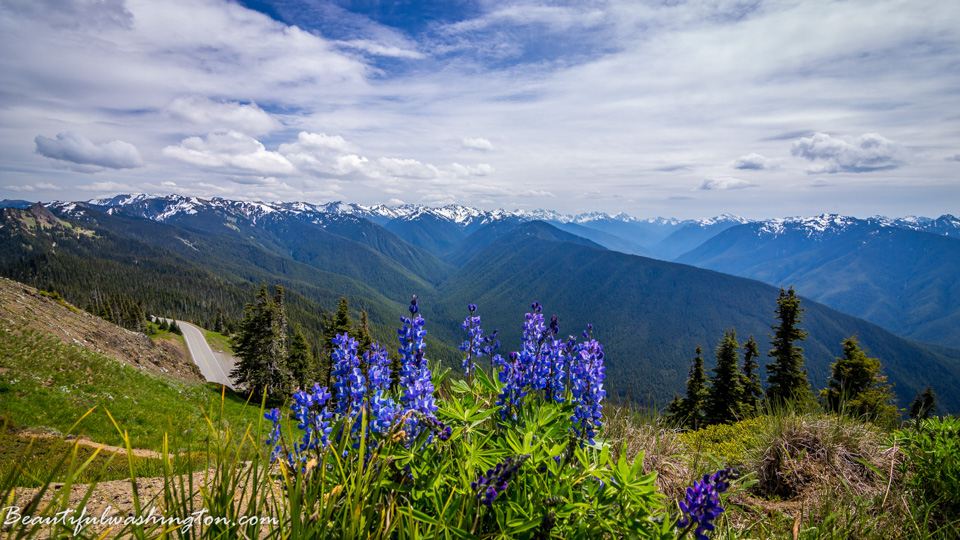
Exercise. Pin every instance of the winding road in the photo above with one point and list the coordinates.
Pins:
(214, 366)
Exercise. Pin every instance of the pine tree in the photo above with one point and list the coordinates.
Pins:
(300, 361)
(787, 378)
(857, 387)
(924, 405)
(723, 403)
(175, 328)
(219, 322)
(163, 326)
(750, 379)
(261, 347)
(687, 412)
(362, 333)
(340, 324)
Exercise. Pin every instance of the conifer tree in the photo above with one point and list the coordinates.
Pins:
(362, 334)
(261, 347)
(219, 322)
(750, 379)
(787, 377)
(688, 412)
(300, 361)
(163, 326)
(923, 405)
(175, 328)
(857, 387)
(723, 403)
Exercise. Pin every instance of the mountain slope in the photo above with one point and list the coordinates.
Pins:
(901, 279)
(650, 315)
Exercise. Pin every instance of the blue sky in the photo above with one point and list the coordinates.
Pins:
(681, 108)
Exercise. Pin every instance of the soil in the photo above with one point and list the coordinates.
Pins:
(23, 307)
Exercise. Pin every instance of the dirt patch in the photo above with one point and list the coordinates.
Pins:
(23, 307)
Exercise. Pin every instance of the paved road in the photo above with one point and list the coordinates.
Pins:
(215, 367)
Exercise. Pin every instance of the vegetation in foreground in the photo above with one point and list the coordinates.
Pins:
(529, 451)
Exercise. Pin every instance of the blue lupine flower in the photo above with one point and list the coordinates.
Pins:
(513, 379)
(348, 388)
(476, 345)
(314, 421)
(702, 504)
(495, 481)
(383, 409)
(414, 373)
(586, 386)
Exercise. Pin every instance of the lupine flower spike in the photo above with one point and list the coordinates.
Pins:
(702, 504)
(476, 344)
(495, 481)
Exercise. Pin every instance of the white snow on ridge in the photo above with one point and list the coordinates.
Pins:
(813, 226)
(723, 218)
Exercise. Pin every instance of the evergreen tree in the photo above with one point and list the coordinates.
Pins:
(163, 326)
(750, 379)
(924, 405)
(300, 361)
(856, 386)
(787, 377)
(688, 412)
(219, 322)
(362, 334)
(175, 328)
(340, 324)
(723, 403)
(261, 346)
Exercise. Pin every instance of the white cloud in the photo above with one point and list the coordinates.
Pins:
(724, 183)
(869, 152)
(476, 143)
(209, 115)
(407, 168)
(379, 49)
(95, 14)
(75, 148)
(480, 169)
(752, 161)
(230, 152)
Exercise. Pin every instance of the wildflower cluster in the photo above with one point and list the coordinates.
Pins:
(545, 364)
(495, 481)
(354, 395)
(702, 504)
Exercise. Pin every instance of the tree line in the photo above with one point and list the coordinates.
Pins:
(734, 390)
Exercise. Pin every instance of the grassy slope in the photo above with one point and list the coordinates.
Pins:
(49, 384)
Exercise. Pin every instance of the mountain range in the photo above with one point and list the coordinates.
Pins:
(187, 256)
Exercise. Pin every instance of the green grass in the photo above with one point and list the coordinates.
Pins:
(30, 460)
(49, 384)
(218, 341)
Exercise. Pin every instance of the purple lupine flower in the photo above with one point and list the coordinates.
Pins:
(476, 345)
(513, 391)
(495, 481)
(586, 386)
(383, 409)
(534, 334)
(310, 408)
(436, 427)
(274, 439)
(702, 504)
(348, 388)
(415, 374)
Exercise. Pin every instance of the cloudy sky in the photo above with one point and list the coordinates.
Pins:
(675, 108)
